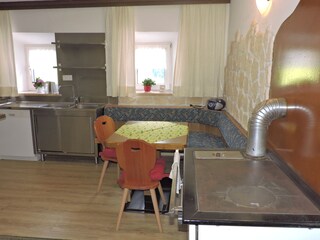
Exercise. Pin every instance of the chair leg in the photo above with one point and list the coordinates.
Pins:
(123, 202)
(118, 170)
(164, 201)
(156, 208)
(104, 168)
(129, 196)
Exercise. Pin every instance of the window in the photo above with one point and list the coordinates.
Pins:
(41, 60)
(153, 61)
(34, 61)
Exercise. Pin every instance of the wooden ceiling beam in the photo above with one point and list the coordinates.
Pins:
(97, 3)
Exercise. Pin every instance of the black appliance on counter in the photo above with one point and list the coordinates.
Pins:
(216, 104)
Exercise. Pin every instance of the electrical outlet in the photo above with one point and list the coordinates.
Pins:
(66, 77)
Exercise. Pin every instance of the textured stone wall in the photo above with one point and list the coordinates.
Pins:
(248, 73)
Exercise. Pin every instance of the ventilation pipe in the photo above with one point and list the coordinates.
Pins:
(263, 114)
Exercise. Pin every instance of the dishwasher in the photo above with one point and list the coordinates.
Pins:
(16, 139)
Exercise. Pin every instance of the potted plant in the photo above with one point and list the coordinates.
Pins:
(147, 83)
(39, 85)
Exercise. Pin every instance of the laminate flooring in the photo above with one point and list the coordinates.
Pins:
(58, 199)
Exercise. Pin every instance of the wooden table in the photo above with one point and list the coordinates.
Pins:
(163, 135)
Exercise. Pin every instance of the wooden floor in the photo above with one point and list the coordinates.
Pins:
(56, 199)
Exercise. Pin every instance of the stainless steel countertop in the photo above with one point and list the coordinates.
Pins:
(229, 188)
(50, 105)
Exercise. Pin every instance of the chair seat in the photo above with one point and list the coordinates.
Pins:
(108, 153)
(156, 174)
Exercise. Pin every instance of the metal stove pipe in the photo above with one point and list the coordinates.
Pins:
(263, 114)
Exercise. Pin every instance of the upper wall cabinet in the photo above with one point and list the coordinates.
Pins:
(81, 65)
(38, 4)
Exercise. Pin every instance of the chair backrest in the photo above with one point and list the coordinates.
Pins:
(104, 127)
(136, 158)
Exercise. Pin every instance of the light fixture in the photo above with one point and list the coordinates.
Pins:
(264, 6)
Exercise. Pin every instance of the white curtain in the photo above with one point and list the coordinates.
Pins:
(120, 51)
(8, 85)
(201, 51)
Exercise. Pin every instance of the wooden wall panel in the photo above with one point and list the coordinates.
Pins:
(41, 4)
(296, 77)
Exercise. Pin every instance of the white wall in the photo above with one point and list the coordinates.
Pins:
(59, 20)
(148, 19)
(157, 18)
(244, 12)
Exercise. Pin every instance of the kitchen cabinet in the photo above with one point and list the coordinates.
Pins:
(77, 135)
(47, 131)
(65, 131)
(16, 139)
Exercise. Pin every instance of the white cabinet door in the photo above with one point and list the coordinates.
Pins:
(16, 141)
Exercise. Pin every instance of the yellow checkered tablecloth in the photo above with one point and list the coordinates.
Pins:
(153, 131)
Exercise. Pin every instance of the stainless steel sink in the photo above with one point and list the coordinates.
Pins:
(50, 105)
(87, 106)
(22, 105)
(58, 105)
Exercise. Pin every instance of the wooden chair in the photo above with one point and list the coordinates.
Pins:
(140, 171)
(104, 127)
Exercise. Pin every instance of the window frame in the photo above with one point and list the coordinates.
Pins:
(29, 78)
(168, 81)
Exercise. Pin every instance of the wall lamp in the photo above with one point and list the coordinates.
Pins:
(264, 6)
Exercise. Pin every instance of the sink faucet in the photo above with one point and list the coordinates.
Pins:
(76, 99)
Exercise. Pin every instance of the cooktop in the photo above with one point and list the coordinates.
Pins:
(227, 188)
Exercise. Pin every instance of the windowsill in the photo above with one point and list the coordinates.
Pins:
(153, 93)
(30, 93)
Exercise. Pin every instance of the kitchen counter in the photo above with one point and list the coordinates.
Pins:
(228, 188)
(50, 105)
(58, 128)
